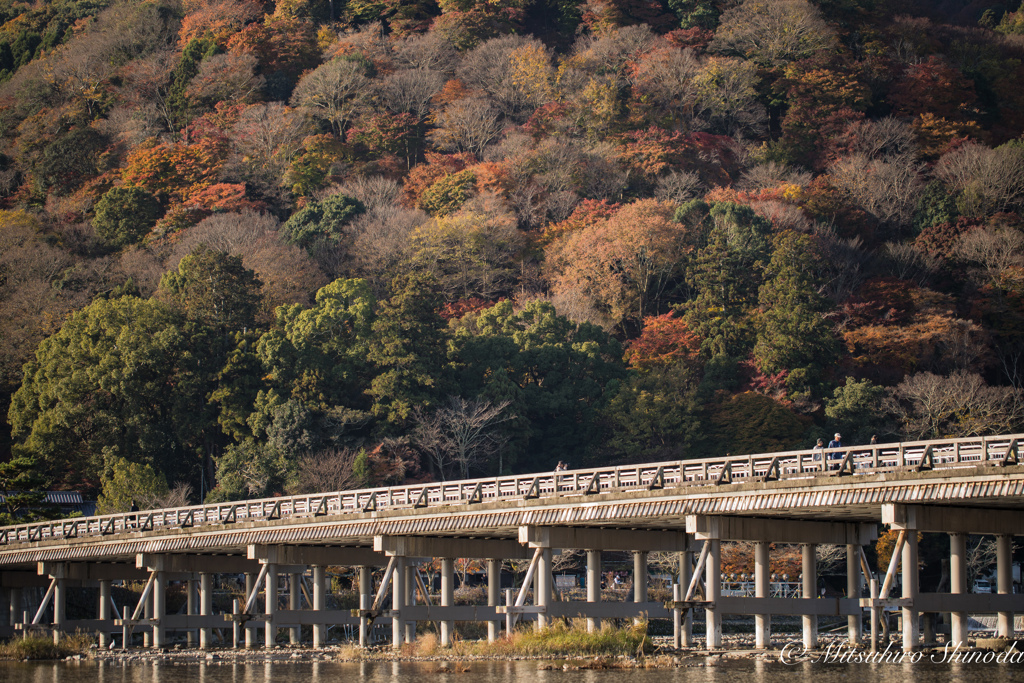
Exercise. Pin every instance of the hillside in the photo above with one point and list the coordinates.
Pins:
(251, 247)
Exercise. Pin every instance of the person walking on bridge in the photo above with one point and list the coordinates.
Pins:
(837, 442)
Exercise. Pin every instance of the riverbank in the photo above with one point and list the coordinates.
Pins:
(659, 653)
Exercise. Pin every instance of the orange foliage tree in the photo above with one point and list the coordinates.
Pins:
(665, 340)
(625, 263)
(173, 170)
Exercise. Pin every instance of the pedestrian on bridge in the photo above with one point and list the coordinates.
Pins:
(837, 442)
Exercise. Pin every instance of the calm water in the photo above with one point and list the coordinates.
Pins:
(728, 671)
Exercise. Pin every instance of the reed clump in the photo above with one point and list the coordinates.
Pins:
(565, 640)
(43, 647)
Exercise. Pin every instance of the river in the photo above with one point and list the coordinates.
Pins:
(696, 670)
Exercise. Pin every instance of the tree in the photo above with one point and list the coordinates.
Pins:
(288, 274)
(855, 410)
(448, 193)
(514, 71)
(227, 77)
(666, 340)
(321, 221)
(462, 435)
(468, 254)
(125, 483)
(248, 470)
(557, 374)
(323, 349)
(214, 289)
(995, 250)
(116, 380)
(655, 415)
(408, 351)
(751, 423)
(887, 188)
(466, 125)
(623, 264)
(725, 275)
(988, 180)
(267, 138)
(792, 333)
(333, 91)
(771, 33)
(23, 489)
(327, 470)
(930, 406)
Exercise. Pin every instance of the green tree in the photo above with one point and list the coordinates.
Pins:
(320, 354)
(181, 107)
(726, 274)
(124, 215)
(319, 221)
(214, 290)
(556, 375)
(856, 410)
(249, 470)
(448, 193)
(127, 482)
(408, 352)
(655, 415)
(23, 488)
(117, 380)
(792, 335)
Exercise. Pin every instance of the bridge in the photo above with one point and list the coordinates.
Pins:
(953, 486)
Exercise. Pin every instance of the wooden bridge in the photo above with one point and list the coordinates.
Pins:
(954, 486)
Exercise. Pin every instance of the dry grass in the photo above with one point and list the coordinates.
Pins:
(350, 653)
(563, 640)
(42, 647)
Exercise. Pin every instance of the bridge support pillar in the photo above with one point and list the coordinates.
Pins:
(270, 608)
(365, 602)
(910, 590)
(205, 609)
(103, 612)
(685, 638)
(1004, 581)
(320, 603)
(713, 590)
(808, 566)
(159, 610)
(593, 586)
(410, 598)
(853, 582)
(147, 613)
(192, 606)
(493, 596)
(958, 586)
(762, 580)
(447, 598)
(542, 585)
(397, 602)
(16, 605)
(639, 578)
(60, 597)
(294, 599)
(250, 627)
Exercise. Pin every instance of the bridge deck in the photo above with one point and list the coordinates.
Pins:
(973, 472)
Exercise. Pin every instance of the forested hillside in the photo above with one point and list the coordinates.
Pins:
(249, 248)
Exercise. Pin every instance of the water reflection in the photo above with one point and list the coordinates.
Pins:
(694, 671)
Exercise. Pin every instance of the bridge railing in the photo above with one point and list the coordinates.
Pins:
(852, 461)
